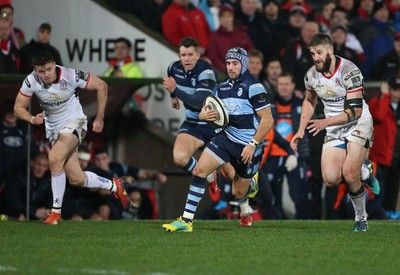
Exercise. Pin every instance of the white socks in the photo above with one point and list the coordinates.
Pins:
(58, 182)
(94, 181)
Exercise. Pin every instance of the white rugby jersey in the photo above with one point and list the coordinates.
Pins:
(59, 100)
(333, 89)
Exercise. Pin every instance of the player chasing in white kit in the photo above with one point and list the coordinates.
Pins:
(66, 125)
(348, 123)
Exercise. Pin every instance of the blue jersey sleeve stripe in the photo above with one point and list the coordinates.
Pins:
(256, 89)
(207, 75)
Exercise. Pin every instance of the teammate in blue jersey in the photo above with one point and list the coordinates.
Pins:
(239, 144)
(191, 80)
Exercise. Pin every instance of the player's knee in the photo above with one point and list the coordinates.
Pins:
(331, 180)
(200, 172)
(55, 163)
(181, 160)
(350, 174)
(238, 194)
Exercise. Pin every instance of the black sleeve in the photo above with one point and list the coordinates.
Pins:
(195, 101)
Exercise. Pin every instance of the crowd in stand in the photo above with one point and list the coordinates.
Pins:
(276, 33)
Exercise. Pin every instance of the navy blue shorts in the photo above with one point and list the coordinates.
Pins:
(224, 150)
(204, 132)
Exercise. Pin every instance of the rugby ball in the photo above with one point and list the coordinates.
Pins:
(217, 104)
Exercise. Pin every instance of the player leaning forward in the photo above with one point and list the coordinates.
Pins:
(66, 124)
(348, 123)
(240, 142)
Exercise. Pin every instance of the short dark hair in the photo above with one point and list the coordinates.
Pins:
(6, 107)
(123, 40)
(7, 6)
(321, 39)
(99, 150)
(42, 58)
(45, 26)
(287, 74)
(188, 42)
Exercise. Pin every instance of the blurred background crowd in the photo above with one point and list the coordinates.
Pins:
(276, 34)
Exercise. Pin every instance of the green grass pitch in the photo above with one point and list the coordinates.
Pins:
(214, 247)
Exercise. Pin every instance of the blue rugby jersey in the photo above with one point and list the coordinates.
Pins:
(243, 99)
(199, 82)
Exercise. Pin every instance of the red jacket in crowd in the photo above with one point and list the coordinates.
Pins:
(178, 22)
(222, 40)
(384, 130)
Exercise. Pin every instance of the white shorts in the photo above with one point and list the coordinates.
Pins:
(362, 133)
(76, 127)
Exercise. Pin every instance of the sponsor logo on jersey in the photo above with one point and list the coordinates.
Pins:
(240, 92)
(179, 76)
(224, 88)
(13, 141)
(53, 103)
(81, 75)
(335, 99)
(352, 73)
(356, 81)
(63, 84)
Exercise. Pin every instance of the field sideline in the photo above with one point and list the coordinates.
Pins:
(214, 247)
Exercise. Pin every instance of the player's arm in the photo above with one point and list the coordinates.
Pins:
(204, 87)
(98, 85)
(307, 111)
(20, 109)
(266, 123)
(196, 100)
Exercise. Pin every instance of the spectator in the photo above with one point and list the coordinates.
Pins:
(365, 9)
(296, 58)
(339, 36)
(7, 13)
(41, 43)
(272, 71)
(376, 38)
(340, 18)
(182, 19)
(40, 199)
(104, 164)
(272, 17)
(290, 31)
(256, 63)
(323, 19)
(348, 6)
(122, 65)
(227, 36)
(389, 64)
(282, 161)
(13, 142)
(288, 5)
(211, 9)
(9, 58)
(252, 20)
(385, 151)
